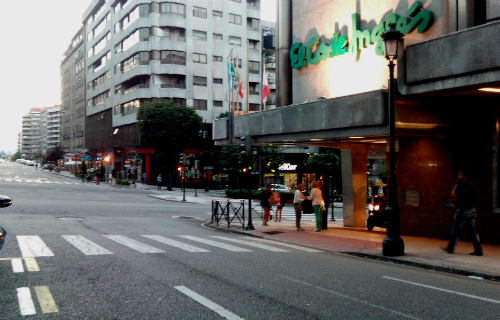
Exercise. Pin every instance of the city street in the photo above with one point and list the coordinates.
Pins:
(87, 251)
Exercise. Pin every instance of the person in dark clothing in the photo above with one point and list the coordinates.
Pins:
(265, 204)
(464, 191)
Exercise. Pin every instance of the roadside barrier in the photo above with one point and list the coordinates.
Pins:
(228, 210)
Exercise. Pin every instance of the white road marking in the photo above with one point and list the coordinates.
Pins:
(209, 304)
(18, 180)
(217, 244)
(38, 181)
(28, 180)
(26, 306)
(351, 298)
(56, 182)
(33, 246)
(134, 244)
(444, 290)
(247, 243)
(86, 246)
(175, 243)
(8, 179)
(45, 299)
(288, 245)
(67, 182)
(47, 182)
(17, 265)
(31, 264)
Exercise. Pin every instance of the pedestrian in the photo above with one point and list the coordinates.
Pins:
(110, 178)
(326, 198)
(298, 198)
(464, 192)
(265, 204)
(88, 177)
(144, 178)
(318, 204)
(279, 207)
(36, 166)
(82, 175)
(158, 182)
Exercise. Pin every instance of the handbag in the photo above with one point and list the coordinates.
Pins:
(307, 207)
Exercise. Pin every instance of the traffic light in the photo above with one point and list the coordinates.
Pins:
(179, 168)
(244, 169)
(107, 159)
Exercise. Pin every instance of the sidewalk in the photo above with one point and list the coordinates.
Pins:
(419, 252)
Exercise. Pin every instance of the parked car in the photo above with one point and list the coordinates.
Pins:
(48, 166)
(30, 163)
(4, 202)
(277, 187)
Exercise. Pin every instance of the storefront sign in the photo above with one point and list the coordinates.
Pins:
(127, 163)
(301, 56)
(288, 167)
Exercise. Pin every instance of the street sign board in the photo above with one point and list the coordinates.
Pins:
(127, 163)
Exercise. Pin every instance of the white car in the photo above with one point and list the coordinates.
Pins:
(30, 163)
(277, 187)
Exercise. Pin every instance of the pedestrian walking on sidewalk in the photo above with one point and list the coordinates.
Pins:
(265, 204)
(318, 204)
(279, 207)
(298, 198)
(144, 178)
(464, 191)
(83, 177)
(158, 182)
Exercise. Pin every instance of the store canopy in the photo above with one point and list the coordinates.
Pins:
(71, 163)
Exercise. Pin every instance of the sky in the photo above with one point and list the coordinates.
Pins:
(35, 40)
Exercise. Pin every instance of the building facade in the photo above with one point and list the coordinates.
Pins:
(139, 51)
(336, 96)
(73, 108)
(50, 124)
(31, 134)
(269, 56)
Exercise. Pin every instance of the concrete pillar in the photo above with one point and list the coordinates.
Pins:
(284, 42)
(354, 184)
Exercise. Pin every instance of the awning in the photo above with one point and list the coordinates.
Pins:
(71, 163)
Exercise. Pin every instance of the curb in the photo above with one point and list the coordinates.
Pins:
(374, 257)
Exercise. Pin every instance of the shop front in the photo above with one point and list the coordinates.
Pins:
(336, 96)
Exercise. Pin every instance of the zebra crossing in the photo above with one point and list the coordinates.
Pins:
(35, 246)
(41, 181)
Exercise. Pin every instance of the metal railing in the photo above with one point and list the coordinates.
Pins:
(138, 86)
(173, 85)
(228, 211)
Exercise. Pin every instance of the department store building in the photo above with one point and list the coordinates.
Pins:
(332, 80)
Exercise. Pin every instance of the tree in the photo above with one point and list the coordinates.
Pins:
(16, 156)
(230, 159)
(55, 154)
(320, 162)
(168, 127)
(273, 157)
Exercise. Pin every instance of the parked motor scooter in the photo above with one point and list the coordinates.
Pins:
(4, 202)
(376, 214)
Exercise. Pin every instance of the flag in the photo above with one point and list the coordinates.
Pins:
(265, 86)
(229, 79)
(240, 85)
(234, 78)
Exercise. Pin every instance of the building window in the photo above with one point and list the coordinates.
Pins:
(199, 35)
(235, 41)
(217, 103)
(199, 81)
(176, 8)
(217, 36)
(173, 81)
(131, 107)
(217, 13)
(173, 57)
(234, 18)
(218, 58)
(252, 23)
(253, 66)
(118, 109)
(199, 104)
(218, 80)
(253, 3)
(253, 89)
(171, 33)
(199, 58)
(254, 106)
(253, 45)
(199, 12)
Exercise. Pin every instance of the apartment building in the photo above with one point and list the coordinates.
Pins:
(50, 124)
(269, 56)
(139, 51)
(73, 108)
(30, 134)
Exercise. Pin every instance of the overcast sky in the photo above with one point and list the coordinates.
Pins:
(35, 36)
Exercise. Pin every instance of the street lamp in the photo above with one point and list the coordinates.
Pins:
(393, 244)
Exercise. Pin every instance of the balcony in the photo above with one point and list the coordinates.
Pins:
(173, 85)
(138, 86)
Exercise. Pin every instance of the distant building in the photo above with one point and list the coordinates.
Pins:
(269, 56)
(73, 110)
(30, 134)
(50, 124)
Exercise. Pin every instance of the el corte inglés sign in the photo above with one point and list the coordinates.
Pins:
(301, 55)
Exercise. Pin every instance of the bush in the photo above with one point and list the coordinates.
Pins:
(118, 181)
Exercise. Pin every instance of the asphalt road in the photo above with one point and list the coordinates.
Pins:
(78, 251)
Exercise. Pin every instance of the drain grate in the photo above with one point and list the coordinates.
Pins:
(188, 218)
(273, 232)
(69, 218)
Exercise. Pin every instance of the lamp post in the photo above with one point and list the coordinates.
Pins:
(393, 244)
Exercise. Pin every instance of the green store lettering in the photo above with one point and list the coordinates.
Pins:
(315, 51)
